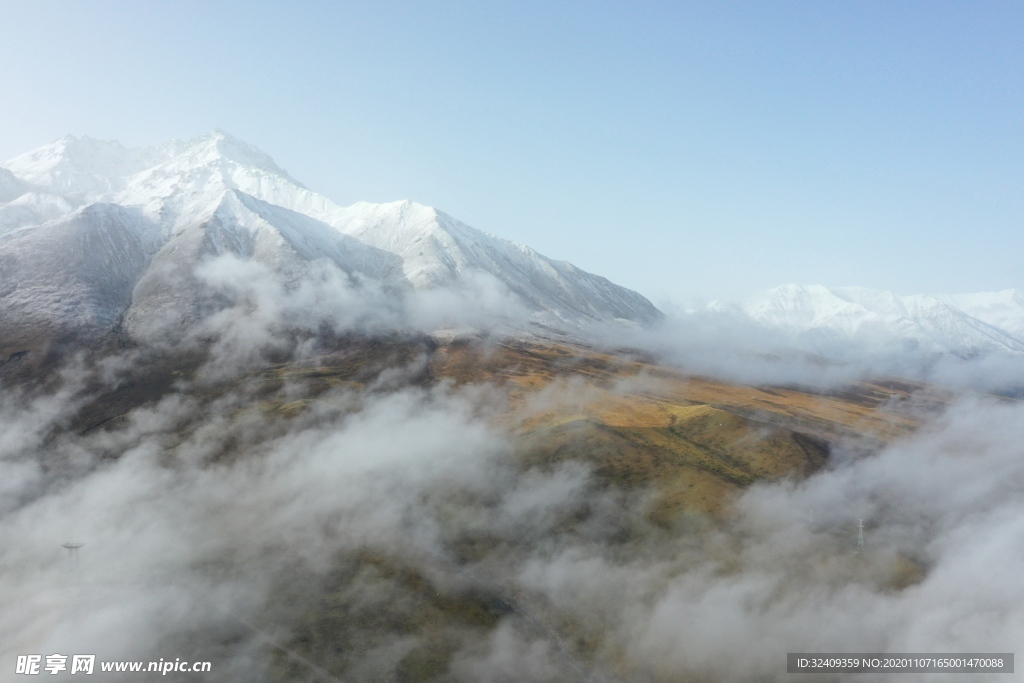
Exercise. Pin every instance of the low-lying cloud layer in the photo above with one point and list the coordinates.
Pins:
(944, 517)
(253, 313)
(737, 348)
(374, 524)
(189, 523)
(191, 526)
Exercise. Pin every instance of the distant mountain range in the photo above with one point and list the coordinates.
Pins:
(94, 236)
(831, 320)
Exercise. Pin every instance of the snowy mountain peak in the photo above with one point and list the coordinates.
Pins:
(218, 146)
(135, 224)
(77, 165)
(96, 168)
(825, 318)
(1004, 309)
(799, 305)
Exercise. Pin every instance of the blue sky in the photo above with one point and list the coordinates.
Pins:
(687, 150)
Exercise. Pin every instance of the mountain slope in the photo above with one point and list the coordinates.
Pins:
(435, 249)
(185, 202)
(1004, 309)
(71, 275)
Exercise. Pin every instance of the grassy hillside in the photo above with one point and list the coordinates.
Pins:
(673, 451)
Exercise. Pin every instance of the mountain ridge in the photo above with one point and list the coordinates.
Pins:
(825, 319)
(216, 195)
(187, 201)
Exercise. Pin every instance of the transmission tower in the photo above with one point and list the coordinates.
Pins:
(72, 549)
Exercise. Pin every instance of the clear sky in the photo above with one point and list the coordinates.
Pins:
(685, 149)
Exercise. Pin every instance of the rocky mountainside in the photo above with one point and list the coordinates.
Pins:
(95, 235)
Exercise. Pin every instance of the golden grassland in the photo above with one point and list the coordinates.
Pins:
(694, 441)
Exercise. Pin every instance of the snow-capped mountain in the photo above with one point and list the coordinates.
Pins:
(1004, 309)
(94, 235)
(833, 319)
